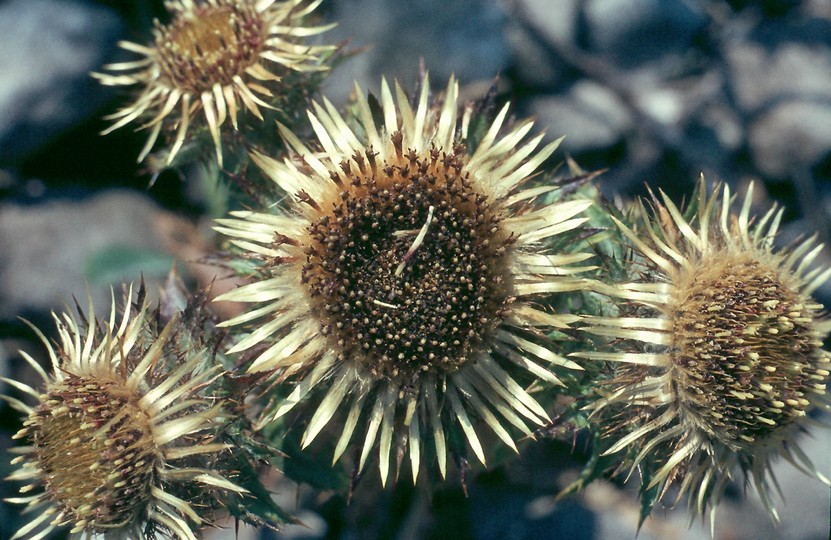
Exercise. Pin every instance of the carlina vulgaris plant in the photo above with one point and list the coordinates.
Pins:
(225, 58)
(718, 349)
(403, 285)
(118, 430)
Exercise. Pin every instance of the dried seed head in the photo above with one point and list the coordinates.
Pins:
(220, 56)
(408, 277)
(210, 44)
(720, 344)
(117, 437)
(745, 350)
(95, 447)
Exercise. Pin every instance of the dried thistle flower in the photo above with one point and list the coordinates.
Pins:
(408, 276)
(219, 56)
(115, 432)
(726, 357)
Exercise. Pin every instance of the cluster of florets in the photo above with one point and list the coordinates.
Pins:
(411, 283)
(719, 347)
(423, 311)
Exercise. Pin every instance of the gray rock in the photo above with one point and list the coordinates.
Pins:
(463, 37)
(760, 78)
(617, 514)
(634, 31)
(556, 21)
(792, 137)
(47, 248)
(694, 115)
(804, 508)
(50, 46)
(532, 63)
(535, 29)
(589, 115)
(725, 124)
(500, 511)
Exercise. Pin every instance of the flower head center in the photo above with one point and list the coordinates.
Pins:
(95, 449)
(408, 271)
(745, 349)
(209, 46)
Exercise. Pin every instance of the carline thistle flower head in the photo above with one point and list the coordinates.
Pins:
(218, 56)
(115, 432)
(730, 357)
(408, 276)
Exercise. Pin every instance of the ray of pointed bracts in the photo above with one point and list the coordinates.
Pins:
(113, 430)
(404, 285)
(137, 430)
(229, 59)
(717, 348)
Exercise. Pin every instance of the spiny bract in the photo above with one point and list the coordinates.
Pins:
(408, 276)
(220, 56)
(115, 432)
(720, 345)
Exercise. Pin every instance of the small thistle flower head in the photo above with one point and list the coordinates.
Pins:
(408, 276)
(115, 432)
(724, 357)
(222, 57)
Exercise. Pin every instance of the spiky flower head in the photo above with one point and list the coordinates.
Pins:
(724, 357)
(222, 57)
(116, 431)
(408, 276)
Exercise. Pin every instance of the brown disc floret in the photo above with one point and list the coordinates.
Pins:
(745, 349)
(95, 447)
(408, 268)
(211, 45)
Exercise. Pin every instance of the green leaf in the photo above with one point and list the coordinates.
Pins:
(249, 457)
(256, 507)
(592, 470)
(111, 264)
(312, 468)
(648, 496)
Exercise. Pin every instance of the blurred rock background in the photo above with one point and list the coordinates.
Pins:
(655, 91)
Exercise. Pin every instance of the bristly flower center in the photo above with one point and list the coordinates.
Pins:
(408, 270)
(745, 348)
(95, 449)
(212, 45)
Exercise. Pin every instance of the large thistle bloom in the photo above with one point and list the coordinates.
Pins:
(116, 432)
(725, 353)
(217, 56)
(407, 277)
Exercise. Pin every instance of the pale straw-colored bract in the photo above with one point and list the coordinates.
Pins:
(112, 435)
(719, 348)
(223, 57)
(406, 280)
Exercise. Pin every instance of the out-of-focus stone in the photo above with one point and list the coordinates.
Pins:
(617, 515)
(463, 37)
(536, 28)
(635, 31)
(725, 123)
(791, 71)
(46, 248)
(804, 512)
(499, 511)
(533, 65)
(792, 137)
(50, 46)
(590, 116)
(556, 21)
